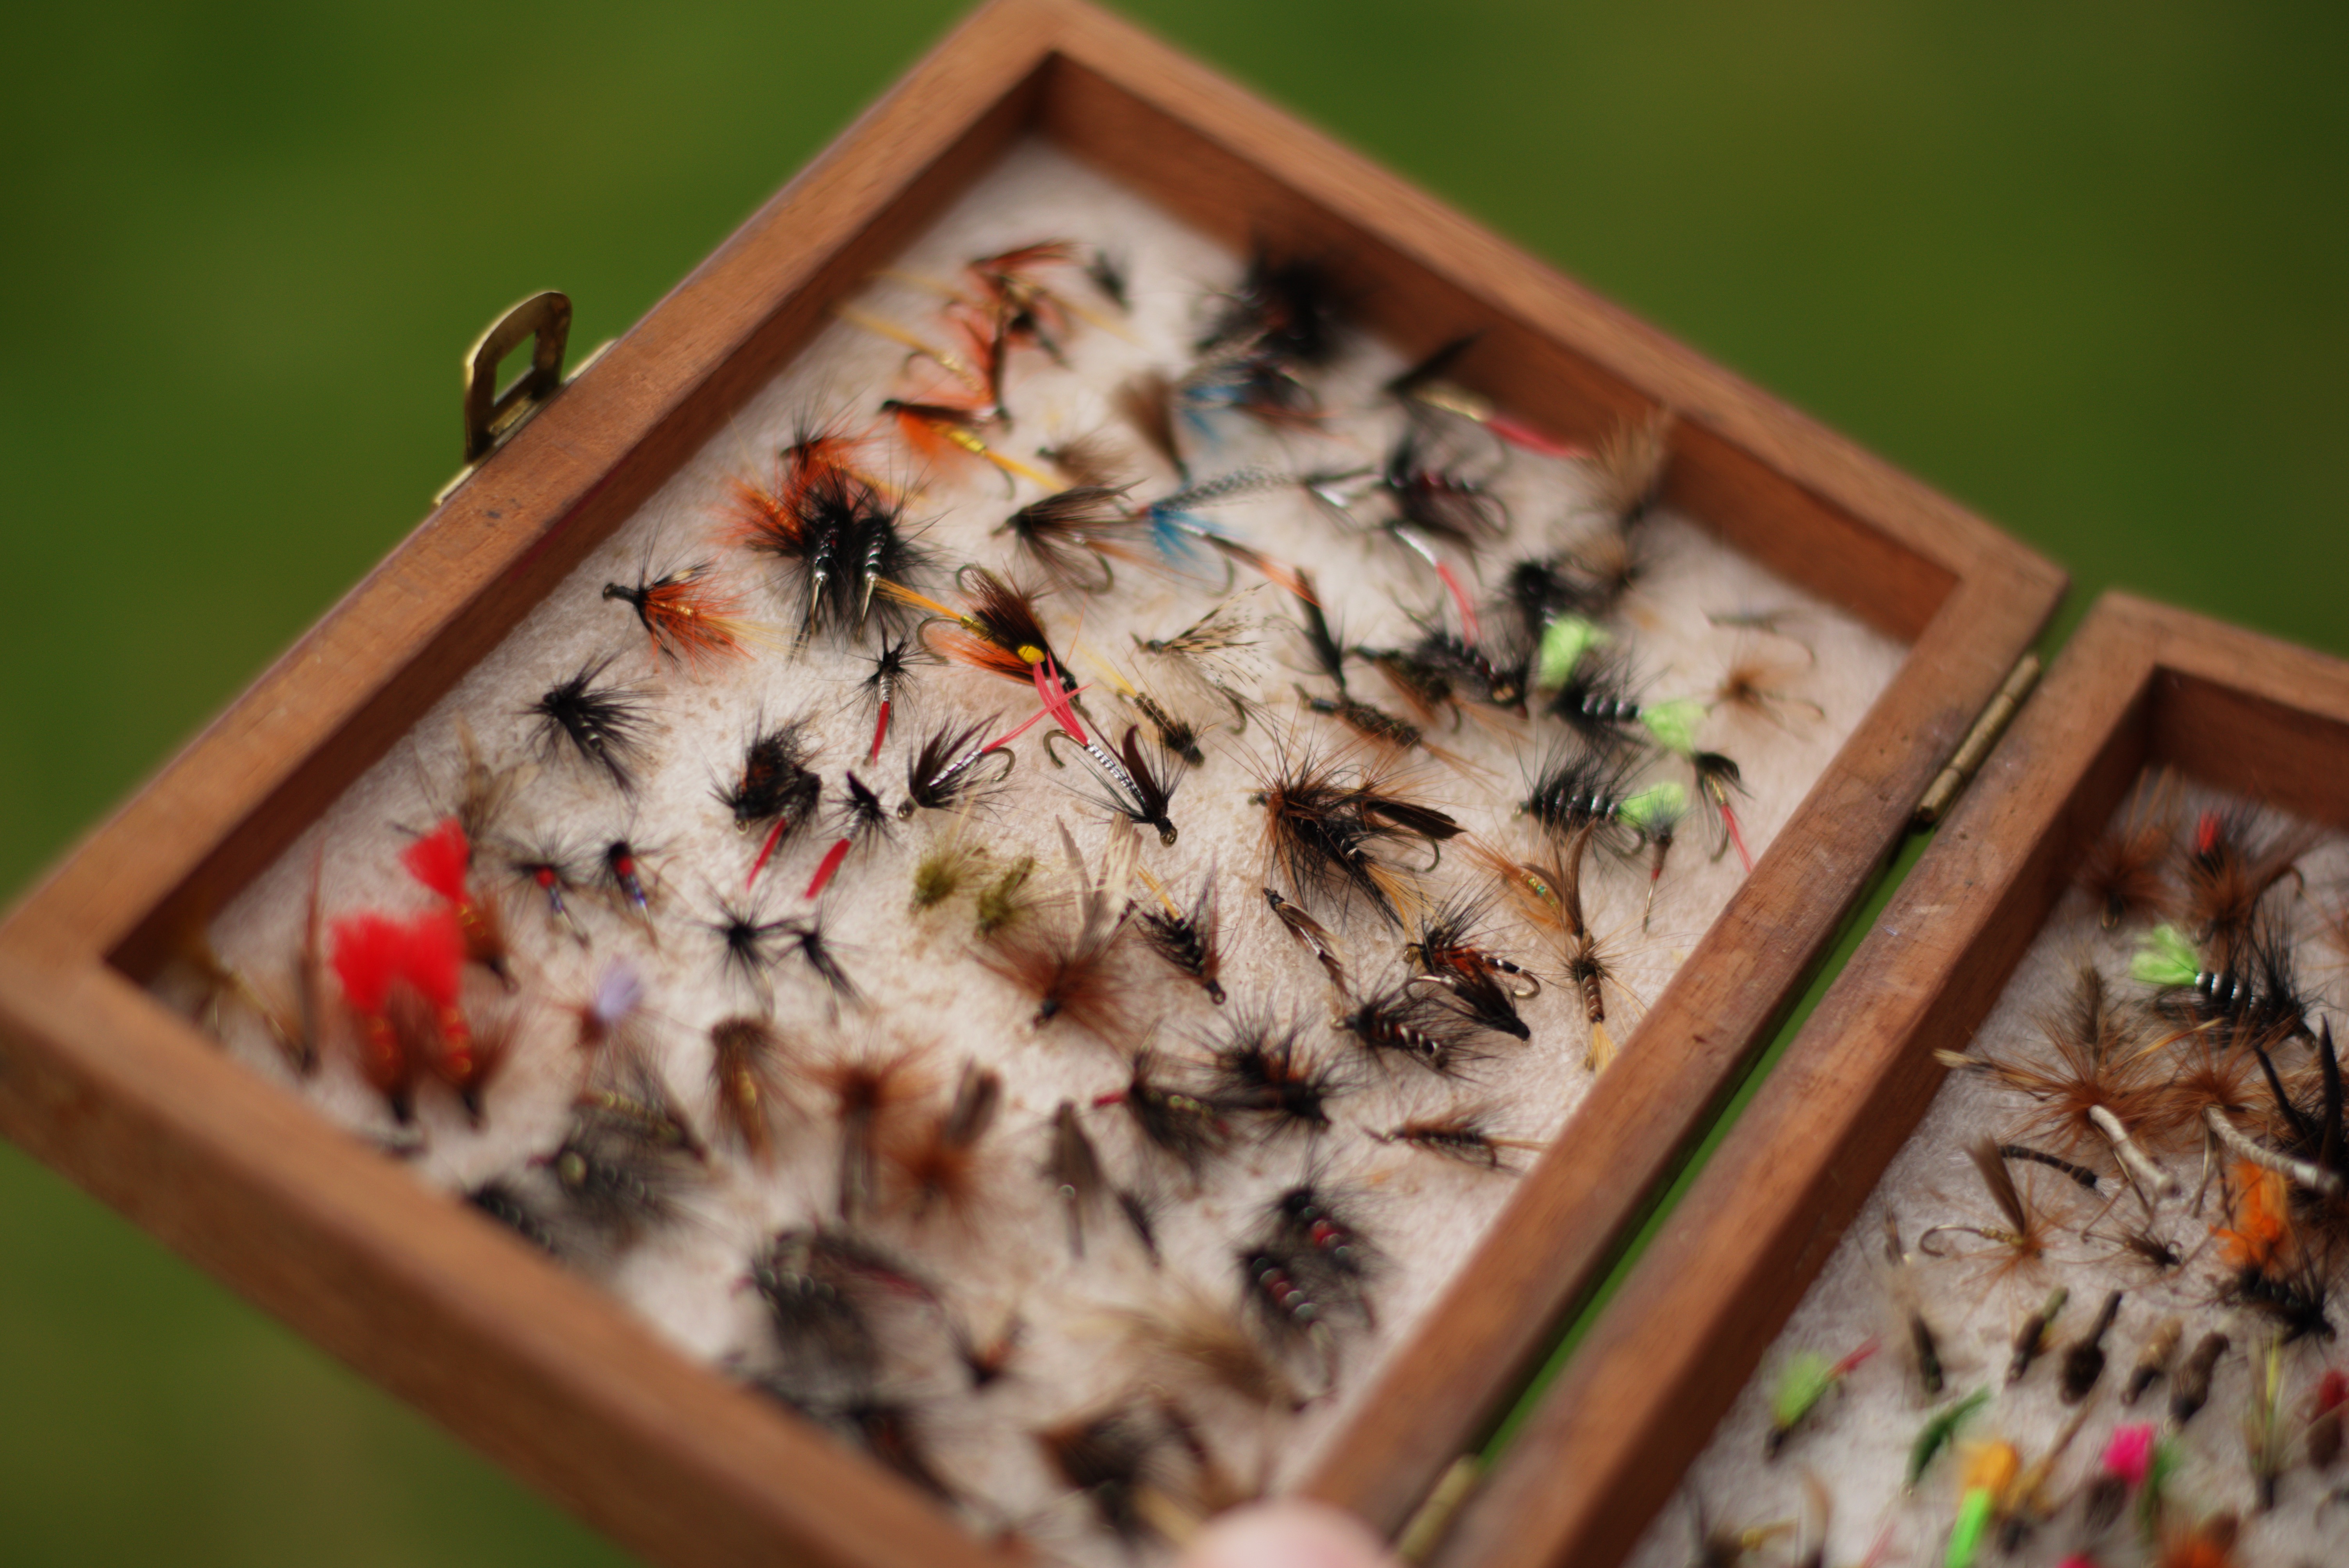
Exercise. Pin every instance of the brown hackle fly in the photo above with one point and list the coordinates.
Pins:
(2231, 859)
(1073, 966)
(1188, 1338)
(2126, 874)
(1262, 1069)
(1188, 940)
(1397, 1021)
(871, 1095)
(746, 1060)
(1076, 538)
(1464, 1135)
(1311, 935)
(936, 1162)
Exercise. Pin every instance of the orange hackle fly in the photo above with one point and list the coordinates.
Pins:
(2260, 1235)
(688, 618)
(772, 515)
(998, 632)
(942, 431)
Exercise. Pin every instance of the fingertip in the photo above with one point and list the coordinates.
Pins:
(1289, 1533)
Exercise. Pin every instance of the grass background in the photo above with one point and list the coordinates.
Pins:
(2080, 266)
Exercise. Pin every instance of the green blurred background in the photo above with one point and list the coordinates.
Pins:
(2079, 266)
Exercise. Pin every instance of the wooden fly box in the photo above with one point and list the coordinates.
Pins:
(2142, 692)
(633, 1427)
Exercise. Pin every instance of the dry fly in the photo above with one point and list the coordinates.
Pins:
(1097, 457)
(1222, 653)
(2022, 1240)
(1186, 1126)
(1074, 1170)
(2097, 1067)
(1448, 950)
(1626, 472)
(1075, 537)
(629, 1154)
(950, 864)
(1178, 734)
(1263, 1069)
(1754, 685)
(1333, 828)
(1120, 1461)
(1146, 402)
(1901, 1281)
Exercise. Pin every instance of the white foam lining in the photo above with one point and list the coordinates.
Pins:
(1858, 1443)
(1424, 1215)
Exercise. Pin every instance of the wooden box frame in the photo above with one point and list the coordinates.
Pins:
(556, 1380)
(2140, 684)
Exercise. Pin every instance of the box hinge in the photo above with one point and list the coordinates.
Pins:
(492, 416)
(1951, 781)
(1426, 1528)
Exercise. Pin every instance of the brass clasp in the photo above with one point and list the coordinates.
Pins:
(492, 416)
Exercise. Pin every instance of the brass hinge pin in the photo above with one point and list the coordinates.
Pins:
(1427, 1527)
(1951, 781)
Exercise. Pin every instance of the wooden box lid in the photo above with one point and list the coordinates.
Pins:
(546, 1373)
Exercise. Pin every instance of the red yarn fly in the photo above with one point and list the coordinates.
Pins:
(442, 860)
(400, 978)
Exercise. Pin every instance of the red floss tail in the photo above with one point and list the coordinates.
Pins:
(1030, 722)
(2206, 832)
(775, 837)
(831, 858)
(1056, 702)
(440, 860)
(1850, 1363)
(1736, 835)
(369, 952)
(880, 734)
(1518, 434)
(1468, 626)
(1006, 739)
